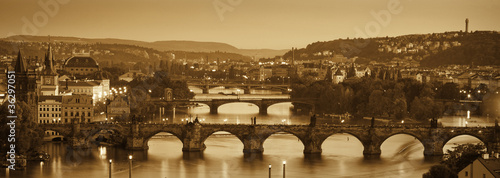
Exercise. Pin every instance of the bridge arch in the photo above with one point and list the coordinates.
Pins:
(403, 146)
(253, 104)
(150, 135)
(455, 136)
(331, 142)
(416, 136)
(52, 135)
(299, 136)
(230, 138)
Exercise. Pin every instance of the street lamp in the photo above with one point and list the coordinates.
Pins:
(284, 164)
(130, 166)
(110, 161)
(269, 170)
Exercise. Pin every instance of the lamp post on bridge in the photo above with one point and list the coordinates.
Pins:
(110, 161)
(130, 166)
(269, 170)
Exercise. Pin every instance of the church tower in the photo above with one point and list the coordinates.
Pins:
(48, 77)
(26, 87)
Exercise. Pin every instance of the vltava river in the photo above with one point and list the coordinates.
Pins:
(402, 155)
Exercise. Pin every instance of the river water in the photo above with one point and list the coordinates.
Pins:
(402, 155)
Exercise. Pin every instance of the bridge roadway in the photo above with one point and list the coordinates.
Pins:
(193, 136)
(263, 104)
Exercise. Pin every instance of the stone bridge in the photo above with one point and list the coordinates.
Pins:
(263, 104)
(246, 87)
(193, 136)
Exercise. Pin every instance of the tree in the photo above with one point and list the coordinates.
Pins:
(29, 135)
(440, 171)
(463, 155)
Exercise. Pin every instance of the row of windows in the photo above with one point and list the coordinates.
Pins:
(52, 121)
(76, 114)
(81, 90)
(49, 105)
(82, 69)
(48, 109)
(76, 107)
(49, 115)
(47, 133)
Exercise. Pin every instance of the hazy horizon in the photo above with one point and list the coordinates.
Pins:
(254, 24)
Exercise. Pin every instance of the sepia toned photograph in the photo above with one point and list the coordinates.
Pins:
(249, 88)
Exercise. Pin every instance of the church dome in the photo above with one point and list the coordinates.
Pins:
(81, 61)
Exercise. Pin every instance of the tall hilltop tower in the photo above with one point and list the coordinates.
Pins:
(466, 25)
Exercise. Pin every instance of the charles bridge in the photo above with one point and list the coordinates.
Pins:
(193, 135)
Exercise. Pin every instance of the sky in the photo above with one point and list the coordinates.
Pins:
(245, 24)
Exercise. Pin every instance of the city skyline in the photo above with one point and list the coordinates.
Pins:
(243, 24)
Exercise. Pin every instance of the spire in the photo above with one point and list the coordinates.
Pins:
(49, 60)
(20, 64)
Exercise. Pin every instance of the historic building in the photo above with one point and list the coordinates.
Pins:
(119, 106)
(78, 108)
(49, 83)
(131, 75)
(26, 84)
(49, 109)
(81, 66)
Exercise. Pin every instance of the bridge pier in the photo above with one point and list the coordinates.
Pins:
(193, 141)
(312, 148)
(205, 89)
(78, 142)
(433, 145)
(371, 149)
(213, 109)
(433, 148)
(246, 90)
(253, 145)
(136, 143)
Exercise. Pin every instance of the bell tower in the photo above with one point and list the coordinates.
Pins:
(49, 78)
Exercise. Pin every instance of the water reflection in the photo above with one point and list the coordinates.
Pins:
(341, 157)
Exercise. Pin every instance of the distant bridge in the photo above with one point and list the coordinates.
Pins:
(263, 104)
(246, 87)
(193, 136)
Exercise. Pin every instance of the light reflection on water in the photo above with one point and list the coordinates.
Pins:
(401, 156)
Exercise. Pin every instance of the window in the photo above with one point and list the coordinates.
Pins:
(484, 175)
(40, 109)
(77, 114)
(65, 113)
(40, 121)
(40, 115)
(71, 113)
(52, 109)
(66, 120)
(88, 114)
(466, 173)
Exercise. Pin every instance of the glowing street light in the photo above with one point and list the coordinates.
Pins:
(284, 164)
(269, 170)
(110, 161)
(130, 166)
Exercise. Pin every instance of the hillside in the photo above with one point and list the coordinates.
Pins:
(109, 53)
(431, 50)
(189, 46)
